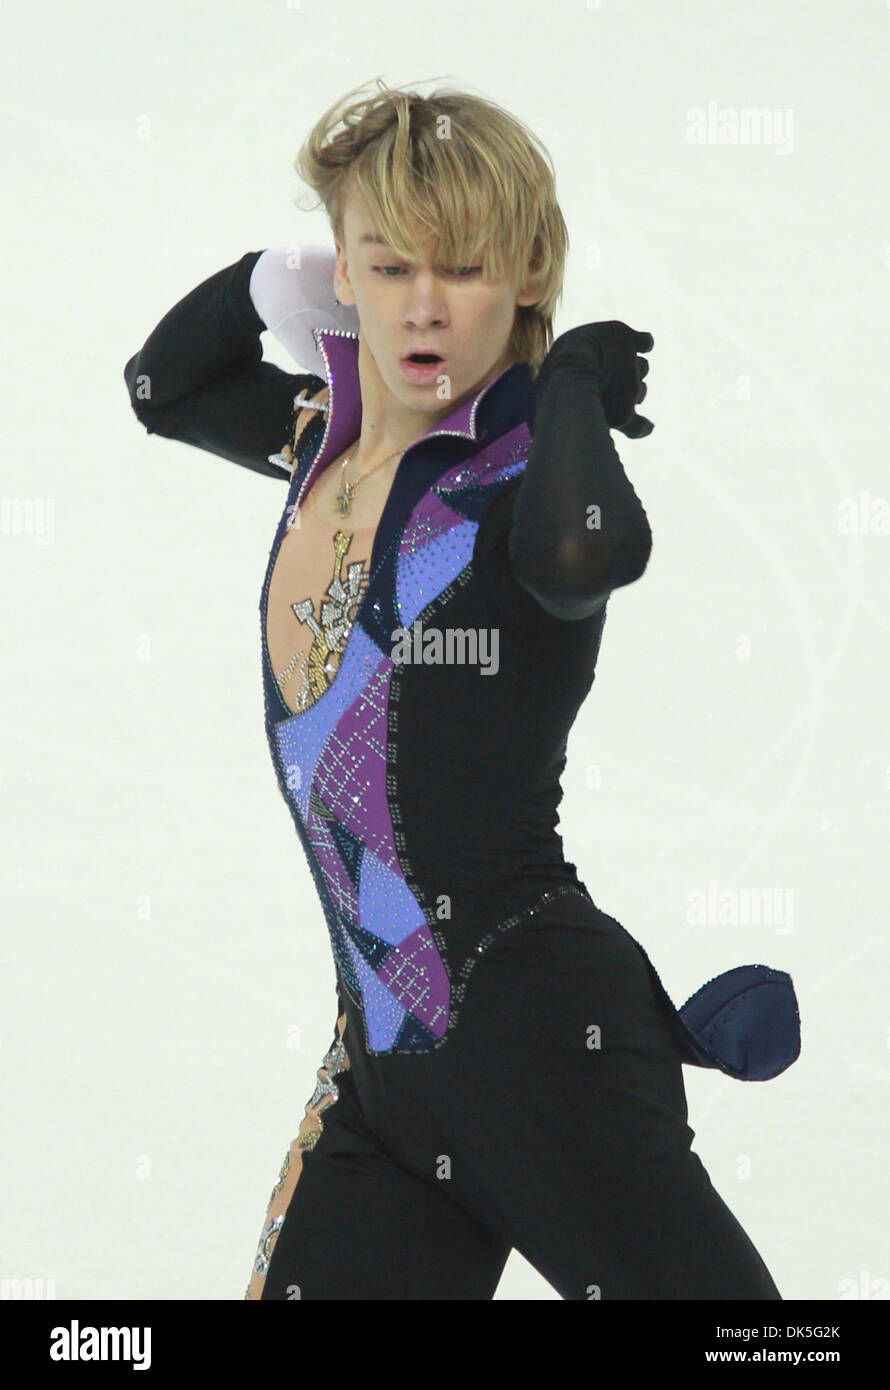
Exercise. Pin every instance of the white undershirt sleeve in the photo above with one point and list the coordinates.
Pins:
(292, 289)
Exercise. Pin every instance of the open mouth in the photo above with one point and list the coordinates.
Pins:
(421, 368)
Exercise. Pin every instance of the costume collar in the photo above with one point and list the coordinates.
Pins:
(500, 405)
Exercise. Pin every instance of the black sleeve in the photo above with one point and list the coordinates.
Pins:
(564, 553)
(200, 377)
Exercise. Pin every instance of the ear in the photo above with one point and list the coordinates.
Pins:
(342, 284)
(530, 291)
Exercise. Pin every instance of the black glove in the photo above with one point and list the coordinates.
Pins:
(606, 352)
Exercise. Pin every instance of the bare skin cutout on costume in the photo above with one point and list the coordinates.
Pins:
(321, 575)
(311, 1127)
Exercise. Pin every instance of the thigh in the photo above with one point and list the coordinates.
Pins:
(628, 1211)
(345, 1221)
(587, 1166)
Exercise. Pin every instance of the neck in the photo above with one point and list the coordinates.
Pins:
(388, 425)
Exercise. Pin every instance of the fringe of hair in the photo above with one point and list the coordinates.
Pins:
(455, 170)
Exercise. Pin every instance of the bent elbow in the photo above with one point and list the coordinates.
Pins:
(575, 585)
(635, 551)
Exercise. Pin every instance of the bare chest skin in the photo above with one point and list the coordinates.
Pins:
(322, 567)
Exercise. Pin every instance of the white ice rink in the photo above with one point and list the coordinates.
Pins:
(167, 980)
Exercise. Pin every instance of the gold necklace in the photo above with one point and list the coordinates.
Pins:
(342, 505)
(343, 500)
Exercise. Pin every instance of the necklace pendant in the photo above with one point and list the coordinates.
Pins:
(344, 498)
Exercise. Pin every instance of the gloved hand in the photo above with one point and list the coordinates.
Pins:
(607, 352)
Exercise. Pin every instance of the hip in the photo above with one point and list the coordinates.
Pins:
(562, 1002)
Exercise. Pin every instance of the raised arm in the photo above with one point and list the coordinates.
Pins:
(578, 528)
(200, 377)
(292, 288)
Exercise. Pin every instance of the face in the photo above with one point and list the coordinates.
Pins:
(403, 308)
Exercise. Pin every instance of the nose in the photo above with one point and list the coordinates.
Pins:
(424, 305)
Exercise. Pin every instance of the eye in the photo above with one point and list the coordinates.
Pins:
(390, 272)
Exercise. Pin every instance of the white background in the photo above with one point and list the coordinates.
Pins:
(148, 1090)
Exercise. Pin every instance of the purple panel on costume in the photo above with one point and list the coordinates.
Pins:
(431, 520)
(351, 772)
(383, 1015)
(500, 461)
(302, 737)
(415, 974)
(386, 905)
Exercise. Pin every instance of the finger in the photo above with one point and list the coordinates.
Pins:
(642, 366)
(645, 342)
(641, 394)
(637, 427)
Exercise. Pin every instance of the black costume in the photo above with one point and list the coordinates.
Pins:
(510, 1074)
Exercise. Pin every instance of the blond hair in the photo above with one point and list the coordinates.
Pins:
(464, 172)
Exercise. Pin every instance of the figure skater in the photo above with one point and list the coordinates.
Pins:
(505, 1070)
